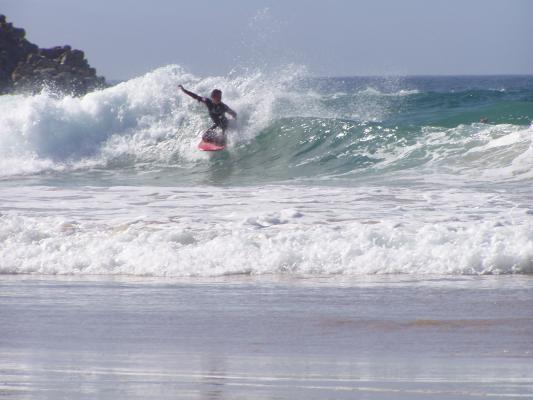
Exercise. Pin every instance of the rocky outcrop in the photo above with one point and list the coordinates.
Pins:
(24, 67)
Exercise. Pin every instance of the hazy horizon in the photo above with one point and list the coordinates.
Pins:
(339, 39)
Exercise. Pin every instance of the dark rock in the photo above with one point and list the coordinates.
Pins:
(54, 52)
(74, 58)
(18, 33)
(43, 63)
(32, 58)
(26, 68)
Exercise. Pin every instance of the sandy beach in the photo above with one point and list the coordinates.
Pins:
(266, 338)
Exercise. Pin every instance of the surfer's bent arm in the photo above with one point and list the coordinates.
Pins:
(231, 112)
(193, 95)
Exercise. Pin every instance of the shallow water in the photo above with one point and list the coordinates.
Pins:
(379, 337)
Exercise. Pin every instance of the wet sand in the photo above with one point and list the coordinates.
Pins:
(393, 337)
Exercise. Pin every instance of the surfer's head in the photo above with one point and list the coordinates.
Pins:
(216, 96)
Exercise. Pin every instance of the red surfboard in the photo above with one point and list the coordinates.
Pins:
(209, 146)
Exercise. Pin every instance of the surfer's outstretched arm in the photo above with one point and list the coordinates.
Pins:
(193, 95)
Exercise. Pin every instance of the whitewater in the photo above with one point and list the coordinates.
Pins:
(322, 176)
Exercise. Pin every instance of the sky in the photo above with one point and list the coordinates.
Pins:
(127, 38)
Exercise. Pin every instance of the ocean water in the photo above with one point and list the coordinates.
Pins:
(322, 176)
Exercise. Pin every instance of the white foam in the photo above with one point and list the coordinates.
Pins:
(370, 91)
(53, 246)
(268, 230)
(494, 153)
(466, 153)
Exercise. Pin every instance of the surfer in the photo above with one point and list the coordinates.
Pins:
(217, 111)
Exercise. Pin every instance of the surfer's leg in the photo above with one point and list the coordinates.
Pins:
(223, 125)
(210, 135)
(221, 139)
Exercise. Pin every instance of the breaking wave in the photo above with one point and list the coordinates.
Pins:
(146, 124)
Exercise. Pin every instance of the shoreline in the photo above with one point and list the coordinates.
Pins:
(333, 280)
(442, 338)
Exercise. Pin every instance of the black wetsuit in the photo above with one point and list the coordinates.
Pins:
(217, 113)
